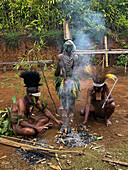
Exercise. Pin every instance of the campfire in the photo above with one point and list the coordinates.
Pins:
(73, 137)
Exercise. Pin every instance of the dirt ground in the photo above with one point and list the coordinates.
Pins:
(110, 135)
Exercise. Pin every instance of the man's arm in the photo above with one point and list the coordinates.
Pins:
(75, 61)
(57, 72)
(48, 113)
(21, 112)
(88, 101)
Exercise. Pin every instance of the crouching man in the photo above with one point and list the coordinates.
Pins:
(23, 121)
(96, 96)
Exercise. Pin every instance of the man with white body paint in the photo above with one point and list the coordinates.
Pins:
(69, 85)
(96, 96)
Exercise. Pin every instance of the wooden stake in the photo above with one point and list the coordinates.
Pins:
(106, 47)
(116, 162)
(125, 64)
(66, 29)
(103, 63)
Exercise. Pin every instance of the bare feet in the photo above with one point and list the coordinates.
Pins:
(64, 114)
(71, 115)
(108, 123)
(48, 125)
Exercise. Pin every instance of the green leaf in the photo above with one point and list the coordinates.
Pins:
(2, 84)
(6, 122)
(3, 111)
(14, 99)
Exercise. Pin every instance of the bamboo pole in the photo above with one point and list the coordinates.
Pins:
(27, 147)
(103, 63)
(103, 51)
(67, 34)
(106, 47)
(125, 70)
(27, 141)
(113, 161)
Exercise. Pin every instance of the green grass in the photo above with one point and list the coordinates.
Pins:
(92, 159)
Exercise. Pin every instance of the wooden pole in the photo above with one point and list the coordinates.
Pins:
(114, 161)
(103, 62)
(67, 34)
(125, 64)
(27, 147)
(106, 47)
(102, 51)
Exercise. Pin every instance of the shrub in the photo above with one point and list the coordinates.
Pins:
(122, 59)
(13, 39)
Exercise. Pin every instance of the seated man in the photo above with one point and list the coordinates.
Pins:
(23, 122)
(96, 96)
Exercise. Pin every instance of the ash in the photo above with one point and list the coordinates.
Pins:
(73, 137)
(33, 156)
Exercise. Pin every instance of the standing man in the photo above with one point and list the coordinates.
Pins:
(68, 84)
(23, 122)
(96, 96)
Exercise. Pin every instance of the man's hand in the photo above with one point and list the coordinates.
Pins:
(48, 125)
(109, 101)
(59, 122)
(40, 129)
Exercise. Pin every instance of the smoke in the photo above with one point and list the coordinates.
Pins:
(88, 31)
(82, 40)
(88, 34)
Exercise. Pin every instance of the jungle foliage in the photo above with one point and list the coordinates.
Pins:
(92, 16)
(5, 123)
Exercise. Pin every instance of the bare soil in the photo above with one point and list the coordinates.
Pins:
(110, 135)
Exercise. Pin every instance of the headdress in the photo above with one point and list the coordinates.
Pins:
(31, 81)
(99, 75)
(69, 42)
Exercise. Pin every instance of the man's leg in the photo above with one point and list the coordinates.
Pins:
(44, 122)
(64, 102)
(109, 109)
(26, 131)
(71, 103)
(83, 110)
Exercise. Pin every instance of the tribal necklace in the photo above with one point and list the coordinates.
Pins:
(68, 62)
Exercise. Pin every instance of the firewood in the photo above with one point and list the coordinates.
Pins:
(26, 146)
(114, 161)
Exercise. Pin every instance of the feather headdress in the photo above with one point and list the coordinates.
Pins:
(69, 42)
(31, 78)
(99, 74)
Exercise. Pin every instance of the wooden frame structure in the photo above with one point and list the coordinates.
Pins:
(104, 52)
(4, 64)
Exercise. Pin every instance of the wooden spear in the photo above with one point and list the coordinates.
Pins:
(109, 94)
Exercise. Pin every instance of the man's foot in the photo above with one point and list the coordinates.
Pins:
(108, 123)
(64, 114)
(49, 125)
(71, 115)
